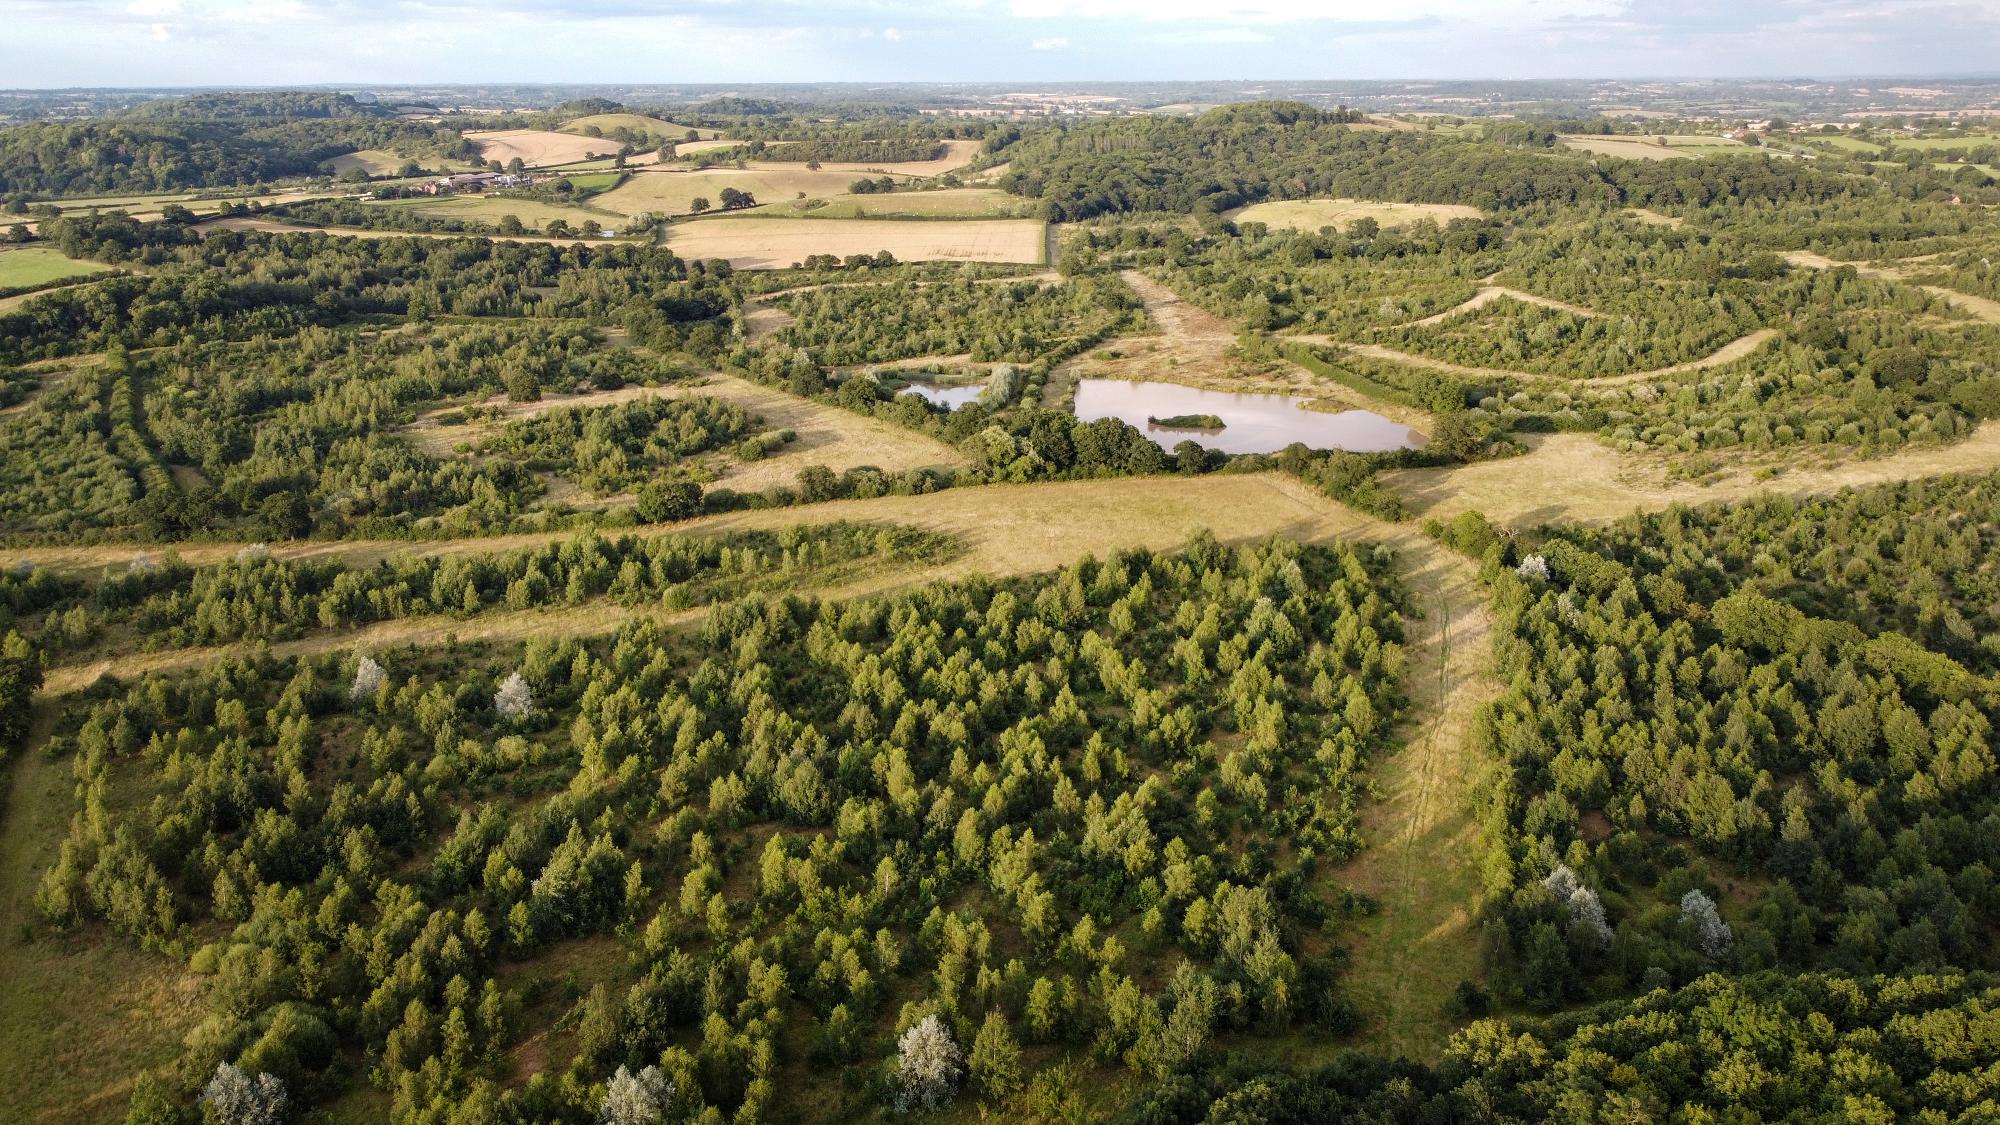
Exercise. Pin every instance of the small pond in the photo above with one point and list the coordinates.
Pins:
(949, 397)
(1252, 422)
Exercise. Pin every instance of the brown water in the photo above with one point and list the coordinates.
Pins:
(1252, 423)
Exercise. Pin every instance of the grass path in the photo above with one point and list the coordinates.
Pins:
(1421, 862)
(1981, 308)
(1488, 294)
(1728, 353)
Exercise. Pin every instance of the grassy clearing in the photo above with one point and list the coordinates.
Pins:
(959, 203)
(40, 265)
(1312, 214)
(654, 128)
(1421, 862)
(540, 148)
(761, 243)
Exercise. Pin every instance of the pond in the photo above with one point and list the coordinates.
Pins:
(949, 397)
(1252, 422)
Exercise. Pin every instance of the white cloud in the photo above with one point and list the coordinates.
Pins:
(1303, 11)
(1221, 37)
(154, 8)
(1051, 43)
(892, 35)
(161, 33)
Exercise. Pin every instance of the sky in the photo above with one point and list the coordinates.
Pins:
(46, 43)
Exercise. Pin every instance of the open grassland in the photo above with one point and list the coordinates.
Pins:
(383, 162)
(40, 265)
(759, 243)
(492, 208)
(1649, 148)
(1312, 214)
(654, 128)
(539, 148)
(673, 193)
(958, 203)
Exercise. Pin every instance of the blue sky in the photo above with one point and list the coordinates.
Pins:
(216, 42)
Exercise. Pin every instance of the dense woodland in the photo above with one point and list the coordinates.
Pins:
(743, 844)
(1002, 806)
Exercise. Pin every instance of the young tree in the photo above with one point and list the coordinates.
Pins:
(636, 1099)
(995, 1062)
(515, 699)
(234, 1098)
(927, 1066)
(662, 501)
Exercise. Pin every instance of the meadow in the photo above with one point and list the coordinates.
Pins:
(34, 266)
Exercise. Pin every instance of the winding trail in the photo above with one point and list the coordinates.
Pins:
(1981, 308)
(1488, 294)
(1728, 353)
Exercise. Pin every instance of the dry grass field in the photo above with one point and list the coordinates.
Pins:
(962, 203)
(672, 193)
(653, 127)
(539, 148)
(761, 243)
(1312, 214)
(241, 223)
(1648, 148)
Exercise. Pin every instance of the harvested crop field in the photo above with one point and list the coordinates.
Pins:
(673, 193)
(1312, 214)
(762, 243)
(539, 148)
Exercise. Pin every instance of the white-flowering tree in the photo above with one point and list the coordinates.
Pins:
(368, 678)
(142, 563)
(254, 553)
(636, 1099)
(927, 1066)
(235, 1098)
(1711, 933)
(1585, 908)
(1534, 567)
(515, 699)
